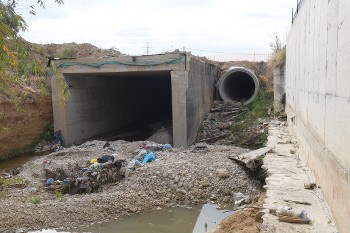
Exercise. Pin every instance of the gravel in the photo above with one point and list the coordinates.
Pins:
(178, 177)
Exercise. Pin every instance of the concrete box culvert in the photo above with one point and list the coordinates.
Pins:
(108, 94)
(238, 84)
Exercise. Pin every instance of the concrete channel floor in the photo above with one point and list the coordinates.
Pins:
(287, 175)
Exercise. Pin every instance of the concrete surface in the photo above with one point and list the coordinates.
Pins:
(318, 97)
(128, 90)
(287, 175)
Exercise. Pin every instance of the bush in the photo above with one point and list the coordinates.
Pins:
(68, 52)
(35, 199)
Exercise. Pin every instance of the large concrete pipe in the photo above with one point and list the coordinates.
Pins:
(238, 84)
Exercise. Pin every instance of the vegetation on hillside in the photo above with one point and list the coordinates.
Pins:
(17, 61)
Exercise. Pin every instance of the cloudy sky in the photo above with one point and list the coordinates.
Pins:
(202, 26)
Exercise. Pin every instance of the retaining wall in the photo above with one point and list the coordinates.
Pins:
(318, 97)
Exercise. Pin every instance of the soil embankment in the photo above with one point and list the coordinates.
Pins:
(20, 130)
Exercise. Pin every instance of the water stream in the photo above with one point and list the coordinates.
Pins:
(170, 220)
(18, 161)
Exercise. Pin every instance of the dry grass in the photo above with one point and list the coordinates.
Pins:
(278, 58)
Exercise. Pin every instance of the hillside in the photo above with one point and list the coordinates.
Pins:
(21, 126)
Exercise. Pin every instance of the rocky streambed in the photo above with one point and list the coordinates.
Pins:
(177, 177)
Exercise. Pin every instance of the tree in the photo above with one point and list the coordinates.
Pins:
(16, 60)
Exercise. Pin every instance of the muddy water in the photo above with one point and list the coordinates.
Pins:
(170, 220)
(18, 161)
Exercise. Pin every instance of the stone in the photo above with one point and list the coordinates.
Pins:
(204, 183)
(222, 173)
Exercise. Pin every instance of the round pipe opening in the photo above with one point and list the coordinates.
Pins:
(238, 84)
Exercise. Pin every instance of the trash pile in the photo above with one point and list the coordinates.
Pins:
(54, 145)
(109, 168)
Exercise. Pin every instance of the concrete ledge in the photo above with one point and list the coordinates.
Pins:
(287, 175)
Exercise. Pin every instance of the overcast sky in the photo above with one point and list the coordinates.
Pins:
(230, 26)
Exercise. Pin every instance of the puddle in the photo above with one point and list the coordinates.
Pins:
(169, 220)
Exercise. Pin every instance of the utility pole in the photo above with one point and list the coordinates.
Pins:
(148, 48)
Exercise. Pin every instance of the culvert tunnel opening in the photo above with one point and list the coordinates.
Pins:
(239, 86)
(129, 106)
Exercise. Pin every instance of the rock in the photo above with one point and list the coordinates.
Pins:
(292, 151)
(204, 183)
(222, 173)
(122, 171)
(213, 197)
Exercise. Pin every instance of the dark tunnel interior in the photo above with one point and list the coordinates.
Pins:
(125, 105)
(239, 86)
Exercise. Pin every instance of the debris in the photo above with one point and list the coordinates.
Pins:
(298, 202)
(33, 190)
(288, 214)
(167, 146)
(239, 198)
(292, 151)
(50, 181)
(309, 185)
(92, 161)
(149, 158)
(222, 173)
(105, 159)
(199, 148)
(252, 160)
(107, 144)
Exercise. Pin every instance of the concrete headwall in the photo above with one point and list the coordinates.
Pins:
(318, 97)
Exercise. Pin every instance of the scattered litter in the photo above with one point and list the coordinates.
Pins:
(149, 158)
(167, 146)
(309, 185)
(54, 145)
(107, 144)
(199, 148)
(50, 181)
(288, 214)
(239, 198)
(33, 190)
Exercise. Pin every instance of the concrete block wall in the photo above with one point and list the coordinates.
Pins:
(318, 97)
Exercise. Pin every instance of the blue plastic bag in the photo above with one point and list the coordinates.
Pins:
(167, 146)
(50, 181)
(149, 158)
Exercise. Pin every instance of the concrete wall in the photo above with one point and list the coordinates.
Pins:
(318, 97)
(201, 93)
